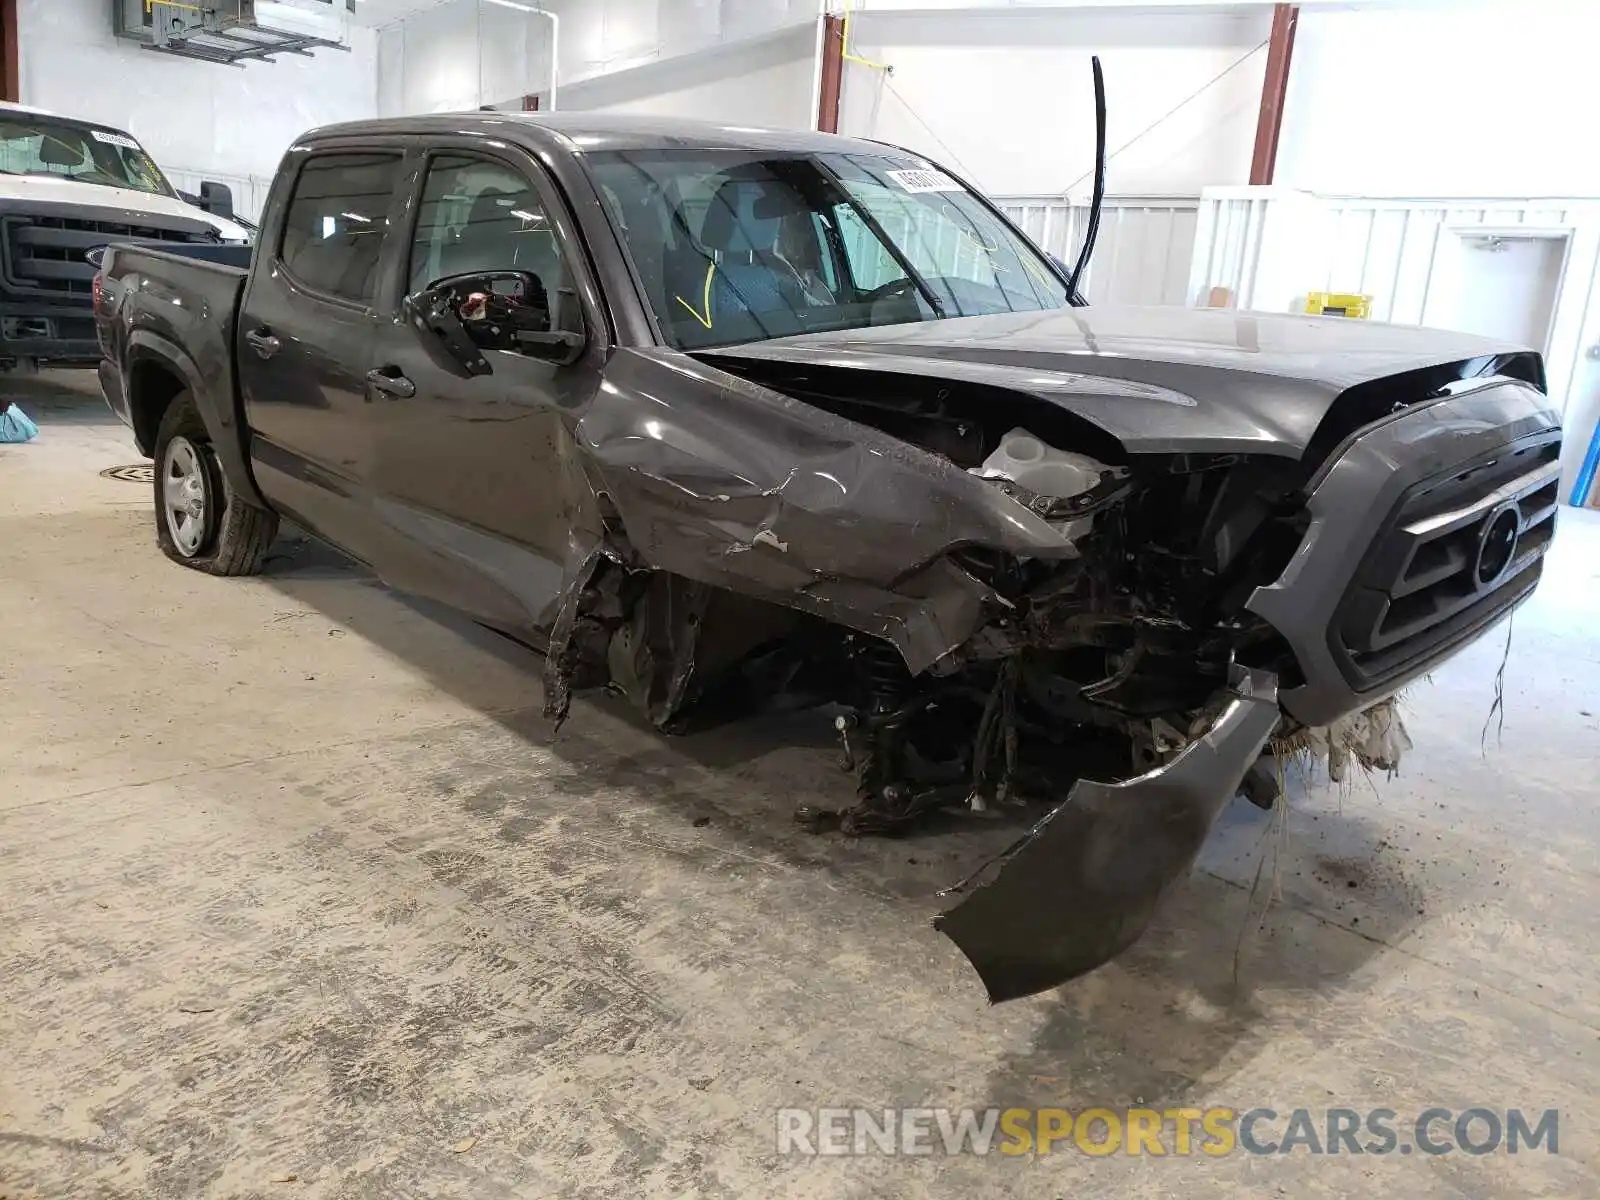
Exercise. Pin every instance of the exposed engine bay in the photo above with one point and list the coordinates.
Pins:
(1106, 660)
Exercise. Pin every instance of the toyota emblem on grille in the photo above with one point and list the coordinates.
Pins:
(1497, 544)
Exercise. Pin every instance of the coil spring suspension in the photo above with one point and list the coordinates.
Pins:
(892, 790)
(888, 682)
(872, 737)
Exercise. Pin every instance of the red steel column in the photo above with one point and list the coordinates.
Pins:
(1280, 51)
(10, 67)
(832, 73)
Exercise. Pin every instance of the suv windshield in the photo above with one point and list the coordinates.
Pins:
(31, 144)
(740, 245)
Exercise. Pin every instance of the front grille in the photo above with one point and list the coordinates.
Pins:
(46, 253)
(1456, 553)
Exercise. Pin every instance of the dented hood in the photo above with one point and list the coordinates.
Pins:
(1160, 380)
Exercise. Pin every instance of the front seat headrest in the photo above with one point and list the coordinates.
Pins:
(745, 214)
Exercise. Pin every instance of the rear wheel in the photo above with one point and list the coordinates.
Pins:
(199, 521)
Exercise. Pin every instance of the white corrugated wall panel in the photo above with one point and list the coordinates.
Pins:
(1145, 247)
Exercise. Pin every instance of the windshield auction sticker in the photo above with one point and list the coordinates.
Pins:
(924, 181)
(114, 139)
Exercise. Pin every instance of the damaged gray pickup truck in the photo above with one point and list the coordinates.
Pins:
(719, 418)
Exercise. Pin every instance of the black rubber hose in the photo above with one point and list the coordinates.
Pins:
(1092, 235)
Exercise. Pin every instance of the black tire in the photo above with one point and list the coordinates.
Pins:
(226, 536)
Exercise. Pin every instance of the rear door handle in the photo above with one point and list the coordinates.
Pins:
(389, 381)
(263, 343)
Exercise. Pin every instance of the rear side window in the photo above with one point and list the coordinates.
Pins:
(333, 234)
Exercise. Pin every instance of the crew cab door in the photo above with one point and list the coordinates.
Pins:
(306, 329)
(473, 465)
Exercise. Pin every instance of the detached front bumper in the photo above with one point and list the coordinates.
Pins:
(1426, 527)
(1083, 884)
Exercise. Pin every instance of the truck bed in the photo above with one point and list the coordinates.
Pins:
(180, 306)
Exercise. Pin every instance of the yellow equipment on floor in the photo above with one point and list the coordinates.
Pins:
(1338, 304)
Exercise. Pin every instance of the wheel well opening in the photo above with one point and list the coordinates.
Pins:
(151, 388)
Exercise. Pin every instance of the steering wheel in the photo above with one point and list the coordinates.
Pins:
(889, 291)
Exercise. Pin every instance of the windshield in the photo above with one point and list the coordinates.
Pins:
(738, 246)
(31, 144)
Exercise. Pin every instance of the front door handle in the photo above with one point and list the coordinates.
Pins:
(263, 343)
(389, 381)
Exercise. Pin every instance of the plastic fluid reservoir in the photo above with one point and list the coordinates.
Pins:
(1025, 460)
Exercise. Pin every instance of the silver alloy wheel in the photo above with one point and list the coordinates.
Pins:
(183, 495)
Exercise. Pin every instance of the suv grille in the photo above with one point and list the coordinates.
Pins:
(1458, 551)
(46, 253)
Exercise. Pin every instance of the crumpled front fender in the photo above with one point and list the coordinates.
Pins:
(734, 485)
(1082, 886)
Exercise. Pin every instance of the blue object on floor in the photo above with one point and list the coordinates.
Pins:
(15, 426)
(1586, 473)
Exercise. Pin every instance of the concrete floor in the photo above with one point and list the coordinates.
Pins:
(295, 882)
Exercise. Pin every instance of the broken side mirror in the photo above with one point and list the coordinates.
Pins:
(217, 199)
(493, 310)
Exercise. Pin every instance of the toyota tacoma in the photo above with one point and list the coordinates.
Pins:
(715, 416)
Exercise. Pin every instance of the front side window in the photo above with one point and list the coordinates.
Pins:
(31, 144)
(738, 246)
(333, 232)
(481, 216)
